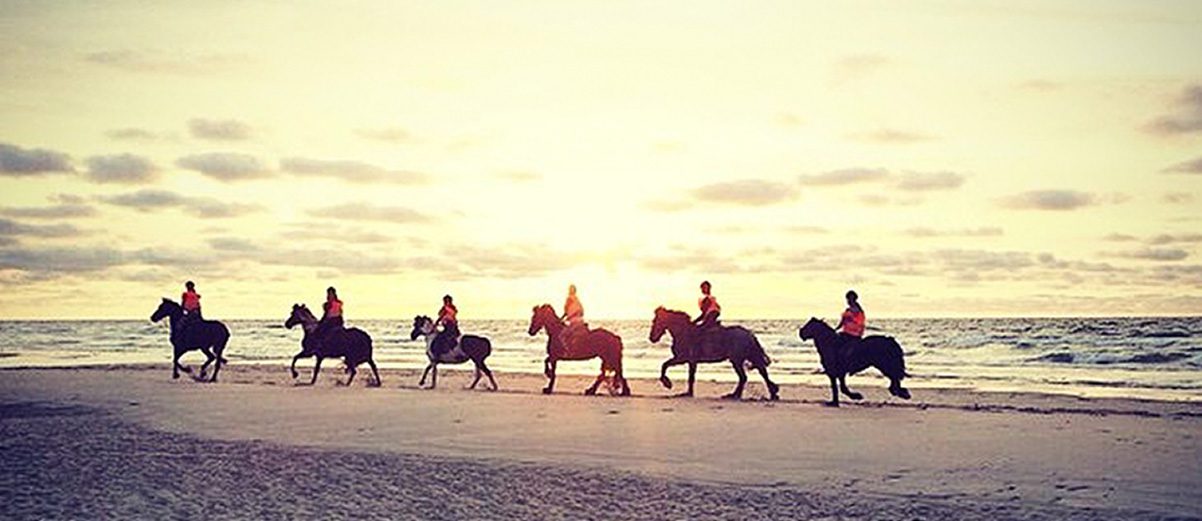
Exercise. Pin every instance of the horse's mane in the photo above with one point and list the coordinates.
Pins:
(679, 315)
(546, 306)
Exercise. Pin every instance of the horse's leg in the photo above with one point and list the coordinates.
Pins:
(424, 374)
(596, 383)
(692, 378)
(488, 373)
(479, 374)
(738, 392)
(663, 371)
(204, 368)
(834, 393)
(294, 359)
(550, 365)
(353, 371)
(773, 389)
(316, 368)
(625, 387)
(896, 389)
(175, 367)
(848, 392)
(375, 372)
(434, 376)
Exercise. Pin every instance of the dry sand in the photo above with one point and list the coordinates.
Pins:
(128, 442)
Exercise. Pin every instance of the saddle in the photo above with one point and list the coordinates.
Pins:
(709, 343)
(570, 341)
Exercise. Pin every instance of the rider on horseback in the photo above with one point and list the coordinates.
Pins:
(191, 305)
(573, 314)
(331, 317)
(448, 337)
(851, 326)
(710, 310)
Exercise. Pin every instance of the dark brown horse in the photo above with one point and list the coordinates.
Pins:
(209, 336)
(839, 360)
(351, 344)
(469, 347)
(596, 343)
(691, 345)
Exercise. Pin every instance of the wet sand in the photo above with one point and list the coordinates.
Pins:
(128, 442)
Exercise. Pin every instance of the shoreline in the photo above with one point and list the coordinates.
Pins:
(967, 455)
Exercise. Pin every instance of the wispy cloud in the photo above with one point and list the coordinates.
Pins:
(20, 162)
(219, 129)
(11, 228)
(121, 168)
(1193, 166)
(58, 211)
(149, 200)
(1040, 85)
(519, 176)
(983, 231)
(354, 171)
(1186, 117)
(845, 176)
(132, 134)
(226, 166)
(371, 212)
(749, 192)
(1050, 200)
(1155, 254)
(159, 61)
(928, 181)
(1178, 198)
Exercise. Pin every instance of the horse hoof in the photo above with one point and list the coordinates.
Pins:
(901, 393)
(830, 404)
(295, 374)
(666, 382)
(546, 390)
(774, 397)
(590, 392)
(683, 395)
(175, 376)
(855, 396)
(731, 396)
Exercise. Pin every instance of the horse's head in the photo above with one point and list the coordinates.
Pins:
(166, 309)
(543, 315)
(812, 329)
(300, 315)
(658, 326)
(422, 325)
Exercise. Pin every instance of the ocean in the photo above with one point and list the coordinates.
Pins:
(1147, 358)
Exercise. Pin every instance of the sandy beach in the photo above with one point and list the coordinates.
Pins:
(128, 442)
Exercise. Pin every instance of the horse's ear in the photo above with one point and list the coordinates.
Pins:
(534, 309)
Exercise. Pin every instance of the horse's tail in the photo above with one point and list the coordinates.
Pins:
(756, 355)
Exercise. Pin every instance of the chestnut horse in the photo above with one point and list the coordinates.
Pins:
(597, 343)
(691, 345)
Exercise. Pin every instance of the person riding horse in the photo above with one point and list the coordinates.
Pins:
(573, 316)
(851, 326)
(448, 336)
(331, 316)
(190, 301)
(710, 310)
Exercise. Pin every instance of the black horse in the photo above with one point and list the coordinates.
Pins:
(351, 344)
(838, 361)
(209, 336)
(691, 345)
(470, 347)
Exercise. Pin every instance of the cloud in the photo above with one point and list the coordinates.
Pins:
(370, 212)
(219, 129)
(1156, 254)
(1050, 200)
(806, 230)
(893, 137)
(121, 168)
(983, 231)
(667, 206)
(1119, 237)
(1178, 198)
(60, 260)
(750, 192)
(233, 244)
(11, 228)
(1187, 119)
(1193, 166)
(225, 166)
(148, 200)
(353, 171)
(845, 176)
(386, 134)
(156, 61)
(1168, 238)
(58, 211)
(131, 134)
(20, 162)
(926, 181)
(519, 176)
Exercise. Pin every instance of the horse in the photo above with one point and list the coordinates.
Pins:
(351, 344)
(470, 347)
(881, 352)
(595, 343)
(209, 336)
(691, 345)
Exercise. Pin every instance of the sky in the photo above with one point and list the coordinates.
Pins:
(942, 158)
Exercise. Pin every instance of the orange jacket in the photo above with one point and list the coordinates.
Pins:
(191, 300)
(853, 322)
